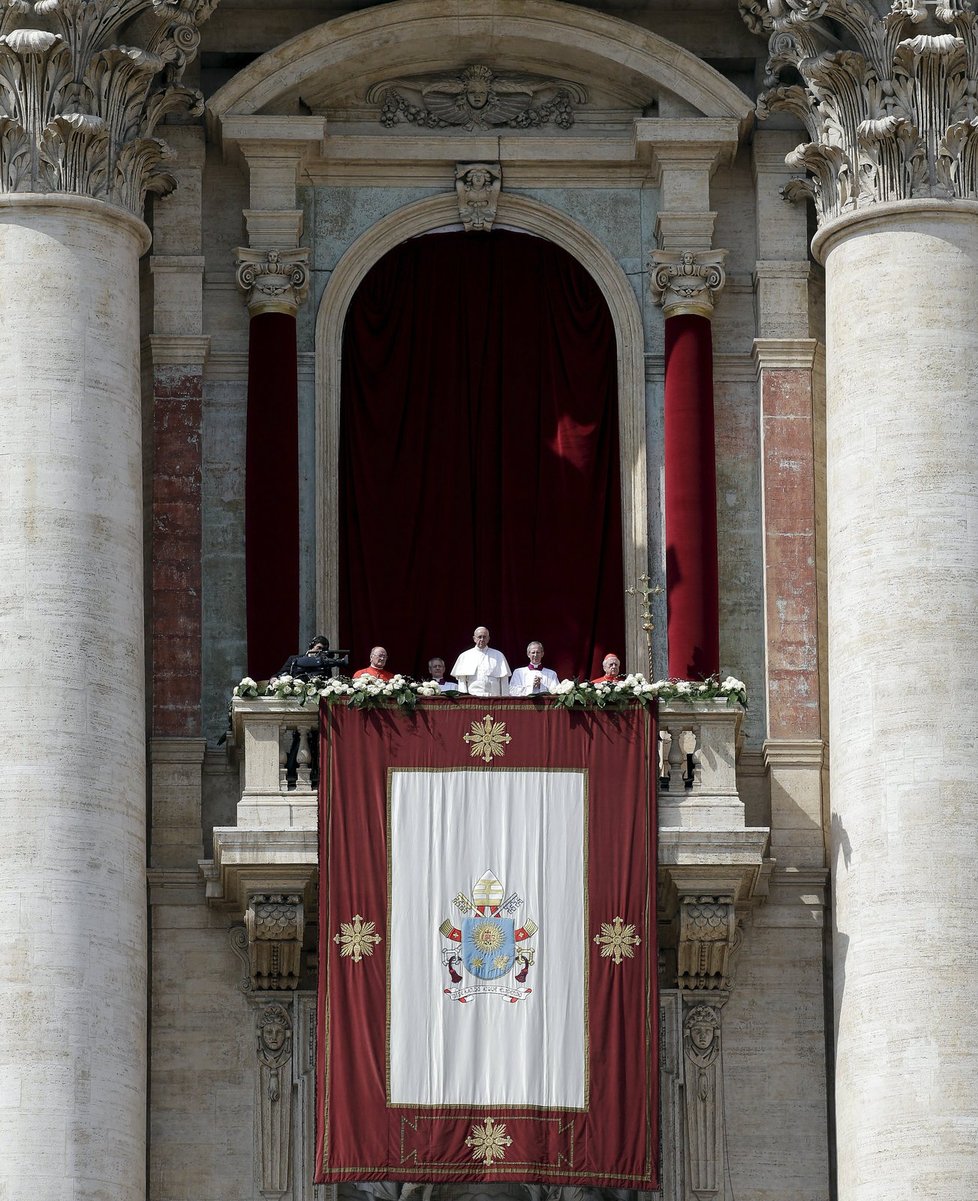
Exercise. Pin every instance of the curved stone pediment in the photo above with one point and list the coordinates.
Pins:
(332, 68)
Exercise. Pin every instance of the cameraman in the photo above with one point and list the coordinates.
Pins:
(317, 661)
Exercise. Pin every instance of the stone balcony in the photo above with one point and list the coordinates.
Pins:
(712, 865)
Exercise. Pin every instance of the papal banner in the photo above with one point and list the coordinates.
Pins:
(487, 945)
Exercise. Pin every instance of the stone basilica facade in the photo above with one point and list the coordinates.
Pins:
(801, 176)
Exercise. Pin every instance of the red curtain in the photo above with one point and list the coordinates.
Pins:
(479, 465)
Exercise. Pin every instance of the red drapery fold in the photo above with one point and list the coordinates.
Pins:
(479, 464)
(272, 494)
(690, 496)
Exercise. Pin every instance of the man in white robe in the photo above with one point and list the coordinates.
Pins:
(482, 671)
(534, 679)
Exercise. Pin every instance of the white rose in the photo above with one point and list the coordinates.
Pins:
(564, 687)
(683, 687)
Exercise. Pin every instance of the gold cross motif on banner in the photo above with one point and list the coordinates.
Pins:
(488, 738)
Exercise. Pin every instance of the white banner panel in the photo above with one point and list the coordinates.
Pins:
(464, 1027)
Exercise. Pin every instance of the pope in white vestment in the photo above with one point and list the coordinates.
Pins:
(482, 671)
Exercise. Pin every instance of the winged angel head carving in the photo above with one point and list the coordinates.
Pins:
(477, 98)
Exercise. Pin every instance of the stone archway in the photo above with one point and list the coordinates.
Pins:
(527, 216)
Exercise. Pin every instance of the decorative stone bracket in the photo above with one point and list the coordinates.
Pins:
(275, 924)
(274, 281)
(708, 936)
(686, 281)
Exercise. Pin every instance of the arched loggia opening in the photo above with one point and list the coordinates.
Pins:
(514, 212)
(479, 476)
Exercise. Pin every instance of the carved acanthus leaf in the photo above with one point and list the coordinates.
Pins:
(887, 91)
(78, 105)
(477, 98)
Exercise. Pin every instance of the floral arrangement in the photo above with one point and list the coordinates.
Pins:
(582, 694)
(368, 692)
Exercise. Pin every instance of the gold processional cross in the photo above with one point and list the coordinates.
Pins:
(648, 622)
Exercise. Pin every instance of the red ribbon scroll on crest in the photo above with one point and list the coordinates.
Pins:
(488, 1003)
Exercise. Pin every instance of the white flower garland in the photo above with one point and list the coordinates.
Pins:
(367, 691)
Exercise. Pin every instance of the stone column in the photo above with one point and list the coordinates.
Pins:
(887, 98)
(78, 103)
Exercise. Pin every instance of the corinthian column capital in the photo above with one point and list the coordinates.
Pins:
(83, 84)
(686, 281)
(887, 93)
(274, 281)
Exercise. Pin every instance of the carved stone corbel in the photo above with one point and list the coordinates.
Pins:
(273, 1109)
(273, 281)
(275, 923)
(686, 281)
(477, 186)
(707, 937)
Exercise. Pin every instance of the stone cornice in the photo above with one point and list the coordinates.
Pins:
(686, 281)
(177, 350)
(274, 281)
(887, 94)
(794, 354)
(804, 753)
(79, 102)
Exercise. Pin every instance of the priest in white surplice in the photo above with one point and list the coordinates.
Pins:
(482, 671)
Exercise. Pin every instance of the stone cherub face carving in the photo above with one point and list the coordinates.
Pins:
(476, 82)
(701, 1035)
(274, 1035)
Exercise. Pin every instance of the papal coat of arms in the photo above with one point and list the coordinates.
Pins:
(490, 949)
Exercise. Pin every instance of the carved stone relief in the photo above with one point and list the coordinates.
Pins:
(888, 94)
(275, 924)
(686, 281)
(78, 109)
(477, 98)
(273, 1109)
(707, 937)
(703, 1101)
(477, 186)
(273, 281)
